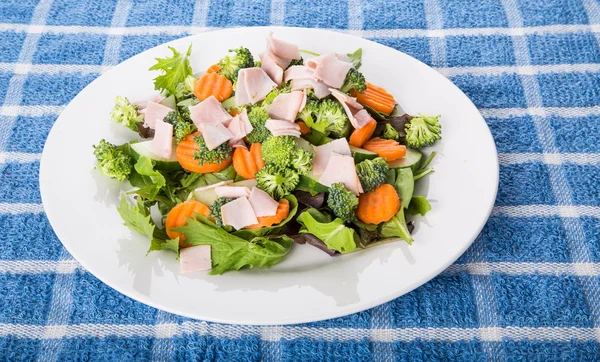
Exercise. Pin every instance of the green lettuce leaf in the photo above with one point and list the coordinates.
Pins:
(136, 217)
(356, 58)
(168, 244)
(418, 205)
(229, 252)
(404, 185)
(174, 71)
(147, 178)
(334, 233)
(396, 227)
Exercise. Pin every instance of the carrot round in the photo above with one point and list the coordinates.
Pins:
(283, 210)
(233, 112)
(185, 156)
(377, 98)
(247, 162)
(177, 218)
(388, 149)
(213, 68)
(379, 205)
(360, 136)
(304, 129)
(213, 84)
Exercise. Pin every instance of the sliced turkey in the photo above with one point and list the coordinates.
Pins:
(238, 213)
(283, 128)
(282, 49)
(215, 134)
(209, 110)
(153, 112)
(286, 106)
(162, 143)
(240, 126)
(340, 168)
(321, 89)
(253, 85)
(358, 116)
(323, 153)
(332, 71)
(274, 71)
(298, 72)
(262, 203)
(232, 191)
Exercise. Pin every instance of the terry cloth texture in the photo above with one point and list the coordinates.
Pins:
(528, 288)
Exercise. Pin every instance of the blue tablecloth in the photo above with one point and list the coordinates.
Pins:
(528, 288)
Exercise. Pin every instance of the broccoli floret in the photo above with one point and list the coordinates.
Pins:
(215, 209)
(279, 151)
(332, 119)
(390, 133)
(296, 62)
(372, 173)
(423, 131)
(276, 181)
(112, 162)
(307, 113)
(342, 202)
(181, 127)
(258, 116)
(302, 162)
(204, 155)
(230, 66)
(126, 113)
(354, 80)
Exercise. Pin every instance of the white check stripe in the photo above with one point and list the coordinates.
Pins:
(30, 111)
(19, 157)
(383, 33)
(20, 208)
(493, 334)
(547, 210)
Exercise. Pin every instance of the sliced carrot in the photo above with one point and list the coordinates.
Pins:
(177, 218)
(247, 162)
(213, 84)
(379, 205)
(283, 210)
(233, 112)
(213, 68)
(388, 149)
(377, 98)
(185, 156)
(360, 136)
(304, 129)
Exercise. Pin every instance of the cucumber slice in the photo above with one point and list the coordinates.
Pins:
(412, 159)
(360, 155)
(169, 102)
(143, 149)
(246, 183)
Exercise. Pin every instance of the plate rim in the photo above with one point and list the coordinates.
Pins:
(342, 311)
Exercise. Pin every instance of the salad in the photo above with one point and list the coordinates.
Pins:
(236, 164)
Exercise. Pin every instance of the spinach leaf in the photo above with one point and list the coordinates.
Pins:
(356, 58)
(396, 227)
(418, 205)
(229, 252)
(247, 234)
(149, 181)
(311, 185)
(404, 185)
(334, 233)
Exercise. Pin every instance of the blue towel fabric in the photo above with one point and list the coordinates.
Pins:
(528, 288)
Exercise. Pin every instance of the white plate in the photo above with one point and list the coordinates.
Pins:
(308, 285)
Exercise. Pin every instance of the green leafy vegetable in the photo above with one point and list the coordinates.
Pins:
(136, 217)
(309, 184)
(174, 71)
(396, 227)
(356, 58)
(423, 170)
(404, 185)
(229, 252)
(153, 180)
(168, 244)
(334, 233)
(419, 205)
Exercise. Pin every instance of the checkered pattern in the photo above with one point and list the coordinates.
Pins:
(528, 288)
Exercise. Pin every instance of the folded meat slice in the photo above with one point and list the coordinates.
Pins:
(282, 48)
(274, 71)
(232, 191)
(195, 258)
(262, 203)
(298, 72)
(286, 106)
(321, 89)
(153, 112)
(283, 128)
(358, 116)
(312, 62)
(332, 71)
(162, 143)
(253, 86)
(215, 134)
(240, 126)
(323, 153)
(340, 168)
(215, 185)
(209, 110)
(238, 213)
